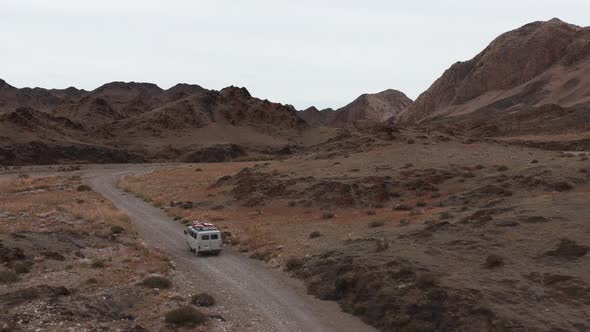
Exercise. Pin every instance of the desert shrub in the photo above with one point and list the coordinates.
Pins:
(293, 264)
(23, 176)
(493, 261)
(203, 300)
(91, 281)
(156, 282)
(7, 277)
(371, 212)
(198, 170)
(421, 204)
(404, 222)
(314, 234)
(381, 245)
(97, 264)
(83, 187)
(583, 170)
(411, 141)
(292, 203)
(185, 316)
(327, 215)
(426, 280)
(117, 229)
(263, 255)
(534, 161)
(502, 168)
(402, 207)
(446, 215)
(376, 223)
(23, 267)
(562, 186)
(569, 249)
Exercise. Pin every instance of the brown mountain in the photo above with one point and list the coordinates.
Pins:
(530, 80)
(138, 121)
(318, 118)
(376, 107)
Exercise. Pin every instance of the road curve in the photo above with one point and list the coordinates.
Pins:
(250, 296)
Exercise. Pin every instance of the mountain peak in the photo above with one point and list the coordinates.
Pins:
(234, 91)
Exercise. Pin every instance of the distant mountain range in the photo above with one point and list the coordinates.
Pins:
(376, 107)
(534, 80)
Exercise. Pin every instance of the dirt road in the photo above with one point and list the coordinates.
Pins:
(251, 297)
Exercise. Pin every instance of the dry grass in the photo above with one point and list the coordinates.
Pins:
(54, 205)
(53, 202)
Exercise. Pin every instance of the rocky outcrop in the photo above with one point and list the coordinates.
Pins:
(317, 118)
(134, 118)
(377, 107)
(537, 64)
(46, 154)
(215, 154)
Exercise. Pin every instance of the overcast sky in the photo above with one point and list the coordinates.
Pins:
(299, 52)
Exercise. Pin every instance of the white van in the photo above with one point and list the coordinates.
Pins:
(203, 238)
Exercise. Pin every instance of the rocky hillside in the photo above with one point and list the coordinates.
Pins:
(137, 120)
(376, 107)
(508, 87)
(318, 118)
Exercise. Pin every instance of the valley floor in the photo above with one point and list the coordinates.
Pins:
(409, 231)
(422, 232)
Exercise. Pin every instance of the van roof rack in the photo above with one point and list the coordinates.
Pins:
(204, 226)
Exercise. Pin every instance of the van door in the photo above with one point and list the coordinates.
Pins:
(192, 238)
(205, 242)
(215, 242)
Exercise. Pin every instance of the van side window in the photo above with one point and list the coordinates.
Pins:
(194, 234)
(213, 236)
(205, 237)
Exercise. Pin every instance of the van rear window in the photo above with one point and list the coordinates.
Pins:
(213, 236)
(205, 237)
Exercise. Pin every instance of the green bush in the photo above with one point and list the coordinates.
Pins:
(493, 261)
(117, 229)
(7, 277)
(98, 264)
(402, 207)
(23, 267)
(314, 234)
(294, 264)
(203, 300)
(185, 316)
(377, 223)
(156, 282)
(83, 187)
(426, 280)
